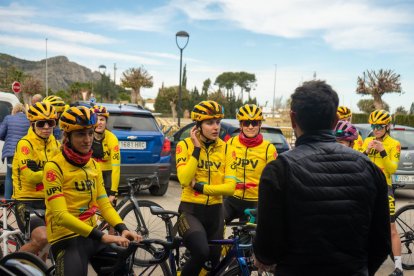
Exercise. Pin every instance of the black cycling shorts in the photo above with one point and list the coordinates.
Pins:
(197, 224)
(30, 205)
(391, 204)
(73, 255)
(234, 208)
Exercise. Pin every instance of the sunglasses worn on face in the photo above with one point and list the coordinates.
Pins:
(41, 124)
(248, 123)
(378, 127)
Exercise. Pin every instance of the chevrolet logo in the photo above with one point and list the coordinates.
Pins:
(132, 137)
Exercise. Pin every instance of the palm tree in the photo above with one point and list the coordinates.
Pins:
(377, 84)
(135, 78)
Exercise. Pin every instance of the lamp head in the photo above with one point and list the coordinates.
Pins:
(184, 35)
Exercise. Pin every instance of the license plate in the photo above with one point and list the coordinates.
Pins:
(133, 145)
(404, 178)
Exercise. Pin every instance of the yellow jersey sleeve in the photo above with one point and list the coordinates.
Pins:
(271, 154)
(25, 152)
(186, 163)
(115, 157)
(229, 185)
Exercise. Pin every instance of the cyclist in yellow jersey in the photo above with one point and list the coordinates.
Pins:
(345, 114)
(32, 152)
(385, 151)
(252, 155)
(105, 150)
(206, 169)
(74, 190)
(59, 106)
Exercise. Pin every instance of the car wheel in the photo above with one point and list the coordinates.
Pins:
(159, 191)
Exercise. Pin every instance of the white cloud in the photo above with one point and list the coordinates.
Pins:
(341, 23)
(72, 50)
(53, 32)
(150, 21)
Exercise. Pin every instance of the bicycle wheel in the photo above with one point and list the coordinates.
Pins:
(236, 271)
(141, 266)
(152, 227)
(404, 220)
(14, 242)
(24, 263)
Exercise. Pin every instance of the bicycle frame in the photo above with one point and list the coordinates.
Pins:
(6, 233)
(136, 184)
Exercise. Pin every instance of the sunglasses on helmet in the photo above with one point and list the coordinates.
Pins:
(378, 127)
(42, 123)
(248, 123)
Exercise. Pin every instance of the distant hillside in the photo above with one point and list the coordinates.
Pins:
(61, 71)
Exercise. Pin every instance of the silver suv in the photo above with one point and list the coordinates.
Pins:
(404, 175)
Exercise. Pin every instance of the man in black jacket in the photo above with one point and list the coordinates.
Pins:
(323, 207)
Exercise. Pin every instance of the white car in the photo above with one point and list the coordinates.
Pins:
(7, 101)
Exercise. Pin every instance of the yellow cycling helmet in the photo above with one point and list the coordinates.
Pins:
(344, 112)
(77, 118)
(56, 101)
(250, 112)
(206, 110)
(100, 111)
(379, 117)
(41, 111)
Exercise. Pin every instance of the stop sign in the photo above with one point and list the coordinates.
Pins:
(16, 87)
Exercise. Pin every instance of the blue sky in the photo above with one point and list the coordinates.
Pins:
(336, 39)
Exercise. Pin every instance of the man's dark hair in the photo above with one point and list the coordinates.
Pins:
(315, 104)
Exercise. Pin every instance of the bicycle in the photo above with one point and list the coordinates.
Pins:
(235, 262)
(11, 239)
(137, 216)
(404, 220)
(119, 261)
(136, 213)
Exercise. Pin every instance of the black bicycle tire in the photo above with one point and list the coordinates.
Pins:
(399, 212)
(235, 271)
(16, 237)
(28, 258)
(152, 269)
(152, 233)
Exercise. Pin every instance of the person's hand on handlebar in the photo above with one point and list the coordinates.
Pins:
(119, 240)
(131, 235)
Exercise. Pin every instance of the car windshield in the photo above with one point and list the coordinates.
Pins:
(131, 122)
(405, 137)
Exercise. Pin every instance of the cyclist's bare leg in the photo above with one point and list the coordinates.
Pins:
(37, 242)
(395, 240)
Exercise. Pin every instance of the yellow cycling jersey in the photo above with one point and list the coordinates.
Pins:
(73, 195)
(111, 160)
(389, 163)
(27, 184)
(358, 143)
(215, 169)
(250, 164)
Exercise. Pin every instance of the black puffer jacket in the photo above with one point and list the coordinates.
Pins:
(332, 206)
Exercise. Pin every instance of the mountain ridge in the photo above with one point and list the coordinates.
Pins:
(61, 71)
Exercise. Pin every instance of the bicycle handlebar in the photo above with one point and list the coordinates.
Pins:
(160, 254)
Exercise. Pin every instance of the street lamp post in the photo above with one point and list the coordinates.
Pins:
(47, 88)
(102, 70)
(186, 37)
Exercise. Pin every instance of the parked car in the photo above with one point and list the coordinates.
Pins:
(145, 150)
(363, 129)
(405, 172)
(229, 128)
(7, 101)
(404, 176)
